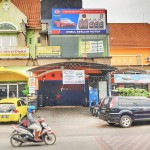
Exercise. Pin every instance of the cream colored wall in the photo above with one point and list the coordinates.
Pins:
(11, 15)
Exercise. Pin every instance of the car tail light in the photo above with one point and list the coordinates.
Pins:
(112, 102)
(15, 111)
(101, 102)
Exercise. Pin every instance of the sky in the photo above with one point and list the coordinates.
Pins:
(122, 11)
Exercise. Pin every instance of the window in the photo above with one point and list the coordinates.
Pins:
(18, 103)
(22, 103)
(73, 46)
(145, 102)
(30, 40)
(122, 102)
(8, 41)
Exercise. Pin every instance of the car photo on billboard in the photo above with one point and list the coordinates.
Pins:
(64, 23)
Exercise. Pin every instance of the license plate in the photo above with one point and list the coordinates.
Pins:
(103, 111)
(4, 116)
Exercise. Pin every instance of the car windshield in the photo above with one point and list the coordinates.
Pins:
(7, 107)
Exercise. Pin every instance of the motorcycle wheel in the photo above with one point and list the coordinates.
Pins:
(15, 140)
(50, 139)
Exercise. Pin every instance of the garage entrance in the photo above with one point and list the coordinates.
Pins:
(54, 93)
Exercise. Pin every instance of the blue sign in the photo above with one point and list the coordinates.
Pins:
(93, 96)
(79, 21)
(132, 78)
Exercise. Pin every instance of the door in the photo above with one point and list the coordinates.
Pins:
(24, 108)
(3, 91)
(146, 108)
(13, 90)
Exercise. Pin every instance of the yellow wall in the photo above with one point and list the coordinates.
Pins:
(140, 52)
(9, 76)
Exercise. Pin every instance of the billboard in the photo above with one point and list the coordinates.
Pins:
(47, 5)
(132, 78)
(79, 21)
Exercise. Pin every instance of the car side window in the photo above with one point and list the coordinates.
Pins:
(134, 102)
(145, 103)
(22, 103)
(18, 103)
(122, 102)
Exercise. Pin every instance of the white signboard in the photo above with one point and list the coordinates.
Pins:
(92, 47)
(73, 77)
(31, 85)
(14, 52)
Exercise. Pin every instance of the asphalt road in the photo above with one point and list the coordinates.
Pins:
(77, 129)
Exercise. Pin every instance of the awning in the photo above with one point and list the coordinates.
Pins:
(103, 68)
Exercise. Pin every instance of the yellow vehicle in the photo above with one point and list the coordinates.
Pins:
(12, 109)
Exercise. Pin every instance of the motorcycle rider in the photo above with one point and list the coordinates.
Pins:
(33, 123)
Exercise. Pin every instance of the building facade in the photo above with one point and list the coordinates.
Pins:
(130, 51)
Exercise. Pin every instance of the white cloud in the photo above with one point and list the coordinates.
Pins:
(122, 10)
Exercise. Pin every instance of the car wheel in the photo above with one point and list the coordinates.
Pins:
(125, 121)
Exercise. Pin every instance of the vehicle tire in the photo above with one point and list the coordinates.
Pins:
(50, 139)
(15, 140)
(125, 121)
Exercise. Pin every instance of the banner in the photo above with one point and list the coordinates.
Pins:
(131, 78)
(73, 77)
(14, 52)
(79, 21)
(48, 51)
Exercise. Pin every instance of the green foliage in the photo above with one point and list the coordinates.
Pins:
(26, 90)
(133, 92)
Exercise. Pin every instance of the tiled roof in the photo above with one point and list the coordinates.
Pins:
(129, 35)
(31, 8)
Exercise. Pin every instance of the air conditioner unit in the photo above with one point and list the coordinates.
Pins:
(148, 59)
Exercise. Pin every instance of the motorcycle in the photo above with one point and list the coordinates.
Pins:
(22, 135)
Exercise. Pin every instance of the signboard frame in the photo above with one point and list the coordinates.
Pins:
(79, 21)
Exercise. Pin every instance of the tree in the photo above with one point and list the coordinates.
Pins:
(26, 90)
(133, 92)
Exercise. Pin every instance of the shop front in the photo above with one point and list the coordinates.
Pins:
(12, 83)
(71, 83)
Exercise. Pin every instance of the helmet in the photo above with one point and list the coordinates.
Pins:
(31, 108)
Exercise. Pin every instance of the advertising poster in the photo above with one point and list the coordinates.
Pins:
(79, 21)
(73, 77)
(92, 46)
(132, 78)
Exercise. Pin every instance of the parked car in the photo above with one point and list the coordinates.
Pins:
(64, 22)
(12, 109)
(125, 110)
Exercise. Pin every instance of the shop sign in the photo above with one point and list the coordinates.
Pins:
(131, 78)
(92, 46)
(14, 52)
(32, 85)
(73, 77)
(79, 21)
(48, 51)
